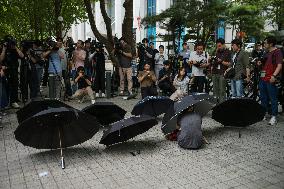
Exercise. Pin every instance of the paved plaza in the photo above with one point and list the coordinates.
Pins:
(256, 160)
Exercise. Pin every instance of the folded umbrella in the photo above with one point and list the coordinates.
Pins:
(201, 105)
(57, 128)
(105, 112)
(238, 112)
(152, 105)
(36, 106)
(126, 129)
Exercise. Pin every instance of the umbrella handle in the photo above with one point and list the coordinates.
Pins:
(61, 151)
(62, 163)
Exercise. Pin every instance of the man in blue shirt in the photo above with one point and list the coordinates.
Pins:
(54, 70)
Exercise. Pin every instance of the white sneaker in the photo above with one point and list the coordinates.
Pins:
(273, 120)
(15, 105)
(97, 95)
(103, 95)
(93, 101)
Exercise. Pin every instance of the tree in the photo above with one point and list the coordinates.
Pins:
(20, 17)
(127, 25)
(275, 12)
(246, 17)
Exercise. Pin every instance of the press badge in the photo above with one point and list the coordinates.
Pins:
(219, 67)
(262, 73)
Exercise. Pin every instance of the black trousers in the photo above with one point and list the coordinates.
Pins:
(29, 80)
(148, 91)
(13, 84)
(67, 83)
(198, 84)
(99, 83)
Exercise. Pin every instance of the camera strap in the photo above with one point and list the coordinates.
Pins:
(56, 73)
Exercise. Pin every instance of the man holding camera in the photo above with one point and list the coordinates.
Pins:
(9, 58)
(145, 54)
(84, 86)
(79, 54)
(218, 65)
(124, 55)
(54, 70)
(199, 61)
(269, 76)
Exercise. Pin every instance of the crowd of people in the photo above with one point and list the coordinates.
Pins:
(81, 71)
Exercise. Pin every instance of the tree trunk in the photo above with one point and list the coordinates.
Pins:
(127, 24)
(108, 42)
(57, 12)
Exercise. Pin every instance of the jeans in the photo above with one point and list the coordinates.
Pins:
(268, 92)
(237, 88)
(54, 86)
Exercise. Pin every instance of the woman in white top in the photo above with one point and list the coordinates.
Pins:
(159, 60)
(181, 84)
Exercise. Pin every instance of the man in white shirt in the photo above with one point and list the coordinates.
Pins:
(199, 61)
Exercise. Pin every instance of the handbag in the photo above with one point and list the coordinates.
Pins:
(231, 72)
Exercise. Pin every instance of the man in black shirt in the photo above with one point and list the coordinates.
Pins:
(9, 58)
(84, 86)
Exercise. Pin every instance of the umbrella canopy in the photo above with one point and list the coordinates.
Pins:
(48, 128)
(238, 112)
(105, 112)
(126, 129)
(152, 105)
(36, 106)
(200, 102)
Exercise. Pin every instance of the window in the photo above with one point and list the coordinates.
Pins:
(151, 10)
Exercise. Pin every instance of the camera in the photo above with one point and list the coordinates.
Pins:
(214, 61)
(9, 42)
(199, 63)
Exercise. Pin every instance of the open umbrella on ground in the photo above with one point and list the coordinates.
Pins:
(201, 105)
(238, 112)
(105, 112)
(126, 129)
(57, 128)
(152, 105)
(36, 106)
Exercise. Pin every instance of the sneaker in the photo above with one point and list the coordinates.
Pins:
(273, 120)
(121, 93)
(130, 93)
(15, 105)
(93, 101)
(103, 95)
(97, 95)
(264, 118)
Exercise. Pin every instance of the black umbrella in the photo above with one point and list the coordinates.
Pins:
(57, 128)
(36, 106)
(202, 105)
(105, 112)
(238, 112)
(152, 105)
(126, 129)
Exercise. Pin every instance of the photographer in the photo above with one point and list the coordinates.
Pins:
(184, 54)
(147, 81)
(240, 62)
(145, 54)
(84, 86)
(124, 56)
(165, 80)
(270, 73)
(159, 60)
(29, 77)
(54, 57)
(219, 64)
(88, 63)
(99, 64)
(3, 89)
(79, 55)
(9, 58)
(199, 61)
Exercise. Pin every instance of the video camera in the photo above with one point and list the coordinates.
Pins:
(9, 42)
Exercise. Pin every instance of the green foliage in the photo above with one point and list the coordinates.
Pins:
(19, 17)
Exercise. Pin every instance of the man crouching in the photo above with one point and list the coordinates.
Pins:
(84, 86)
